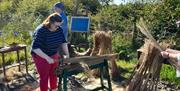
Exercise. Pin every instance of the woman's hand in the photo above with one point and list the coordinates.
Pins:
(40, 53)
(65, 50)
(50, 60)
(65, 56)
(165, 54)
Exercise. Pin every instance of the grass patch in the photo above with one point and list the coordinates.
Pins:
(126, 67)
(168, 73)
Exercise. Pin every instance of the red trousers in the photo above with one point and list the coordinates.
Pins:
(46, 72)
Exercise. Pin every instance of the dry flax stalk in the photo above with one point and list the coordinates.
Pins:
(146, 74)
(143, 28)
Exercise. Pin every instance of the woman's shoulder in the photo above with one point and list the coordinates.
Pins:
(40, 28)
(59, 29)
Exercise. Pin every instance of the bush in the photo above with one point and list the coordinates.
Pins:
(168, 73)
(123, 46)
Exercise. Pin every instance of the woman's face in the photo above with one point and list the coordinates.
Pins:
(55, 25)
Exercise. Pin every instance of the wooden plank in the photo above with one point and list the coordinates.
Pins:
(89, 58)
(82, 59)
(76, 67)
(10, 49)
(13, 65)
(79, 63)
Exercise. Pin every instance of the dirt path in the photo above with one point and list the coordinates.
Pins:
(87, 87)
(18, 81)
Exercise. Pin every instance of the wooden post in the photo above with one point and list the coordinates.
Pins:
(108, 76)
(101, 62)
(60, 83)
(18, 60)
(61, 62)
(101, 76)
(3, 64)
(65, 80)
(26, 60)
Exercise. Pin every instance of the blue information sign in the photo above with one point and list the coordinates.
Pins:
(80, 24)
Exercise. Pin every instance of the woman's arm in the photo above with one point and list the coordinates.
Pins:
(40, 53)
(65, 49)
(175, 56)
(172, 51)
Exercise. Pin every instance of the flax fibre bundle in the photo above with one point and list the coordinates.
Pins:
(147, 72)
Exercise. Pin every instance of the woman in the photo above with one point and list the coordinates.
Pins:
(47, 38)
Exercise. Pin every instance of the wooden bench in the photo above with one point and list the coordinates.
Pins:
(16, 49)
(73, 67)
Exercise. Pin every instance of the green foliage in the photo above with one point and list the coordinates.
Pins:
(11, 58)
(69, 6)
(160, 16)
(168, 73)
(92, 5)
(5, 6)
(117, 20)
(126, 67)
(90, 40)
(29, 14)
(122, 45)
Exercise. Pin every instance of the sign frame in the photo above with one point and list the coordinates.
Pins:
(80, 17)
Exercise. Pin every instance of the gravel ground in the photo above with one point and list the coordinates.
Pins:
(17, 81)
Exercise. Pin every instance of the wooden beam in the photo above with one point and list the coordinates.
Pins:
(78, 63)
(89, 58)
(13, 65)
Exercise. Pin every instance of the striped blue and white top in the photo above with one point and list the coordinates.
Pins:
(48, 41)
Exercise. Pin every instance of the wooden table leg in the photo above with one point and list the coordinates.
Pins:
(65, 81)
(108, 76)
(3, 64)
(101, 76)
(18, 60)
(26, 60)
